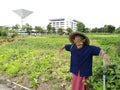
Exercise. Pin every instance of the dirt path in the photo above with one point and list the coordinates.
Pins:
(4, 87)
(3, 84)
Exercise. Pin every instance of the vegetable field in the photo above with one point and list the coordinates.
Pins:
(34, 62)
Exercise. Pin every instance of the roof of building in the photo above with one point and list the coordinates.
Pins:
(58, 19)
(75, 20)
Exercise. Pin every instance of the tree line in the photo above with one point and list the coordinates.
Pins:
(49, 29)
(82, 28)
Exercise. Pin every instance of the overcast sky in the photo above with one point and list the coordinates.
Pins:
(93, 13)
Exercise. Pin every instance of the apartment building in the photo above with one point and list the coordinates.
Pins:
(64, 23)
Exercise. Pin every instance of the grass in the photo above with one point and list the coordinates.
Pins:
(36, 59)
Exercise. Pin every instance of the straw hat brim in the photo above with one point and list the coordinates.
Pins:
(73, 34)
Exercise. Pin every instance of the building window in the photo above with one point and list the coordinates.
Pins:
(63, 23)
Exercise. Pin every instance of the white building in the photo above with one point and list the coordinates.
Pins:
(64, 23)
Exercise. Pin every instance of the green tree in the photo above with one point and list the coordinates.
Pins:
(16, 27)
(4, 31)
(98, 30)
(87, 30)
(117, 30)
(69, 30)
(60, 31)
(94, 30)
(49, 27)
(39, 29)
(53, 29)
(28, 28)
(23, 27)
(1, 27)
(80, 27)
(109, 28)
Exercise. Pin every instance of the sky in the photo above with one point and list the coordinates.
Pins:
(93, 13)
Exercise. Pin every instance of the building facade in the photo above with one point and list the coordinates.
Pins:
(63, 23)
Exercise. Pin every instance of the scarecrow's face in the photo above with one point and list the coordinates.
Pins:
(78, 40)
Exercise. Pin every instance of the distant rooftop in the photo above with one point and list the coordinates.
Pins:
(75, 20)
(58, 19)
(61, 19)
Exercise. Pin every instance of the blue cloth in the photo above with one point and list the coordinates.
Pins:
(81, 59)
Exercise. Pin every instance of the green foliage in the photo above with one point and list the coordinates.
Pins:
(27, 27)
(105, 29)
(16, 27)
(37, 59)
(49, 27)
(39, 29)
(80, 27)
(69, 30)
(118, 48)
(117, 30)
(60, 31)
(14, 33)
(109, 28)
(110, 43)
(97, 30)
(3, 33)
(53, 29)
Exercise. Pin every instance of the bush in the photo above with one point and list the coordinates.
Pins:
(117, 30)
(14, 34)
(118, 48)
(3, 33)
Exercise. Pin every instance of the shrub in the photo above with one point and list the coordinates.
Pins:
(4, 33)
(118, 48)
